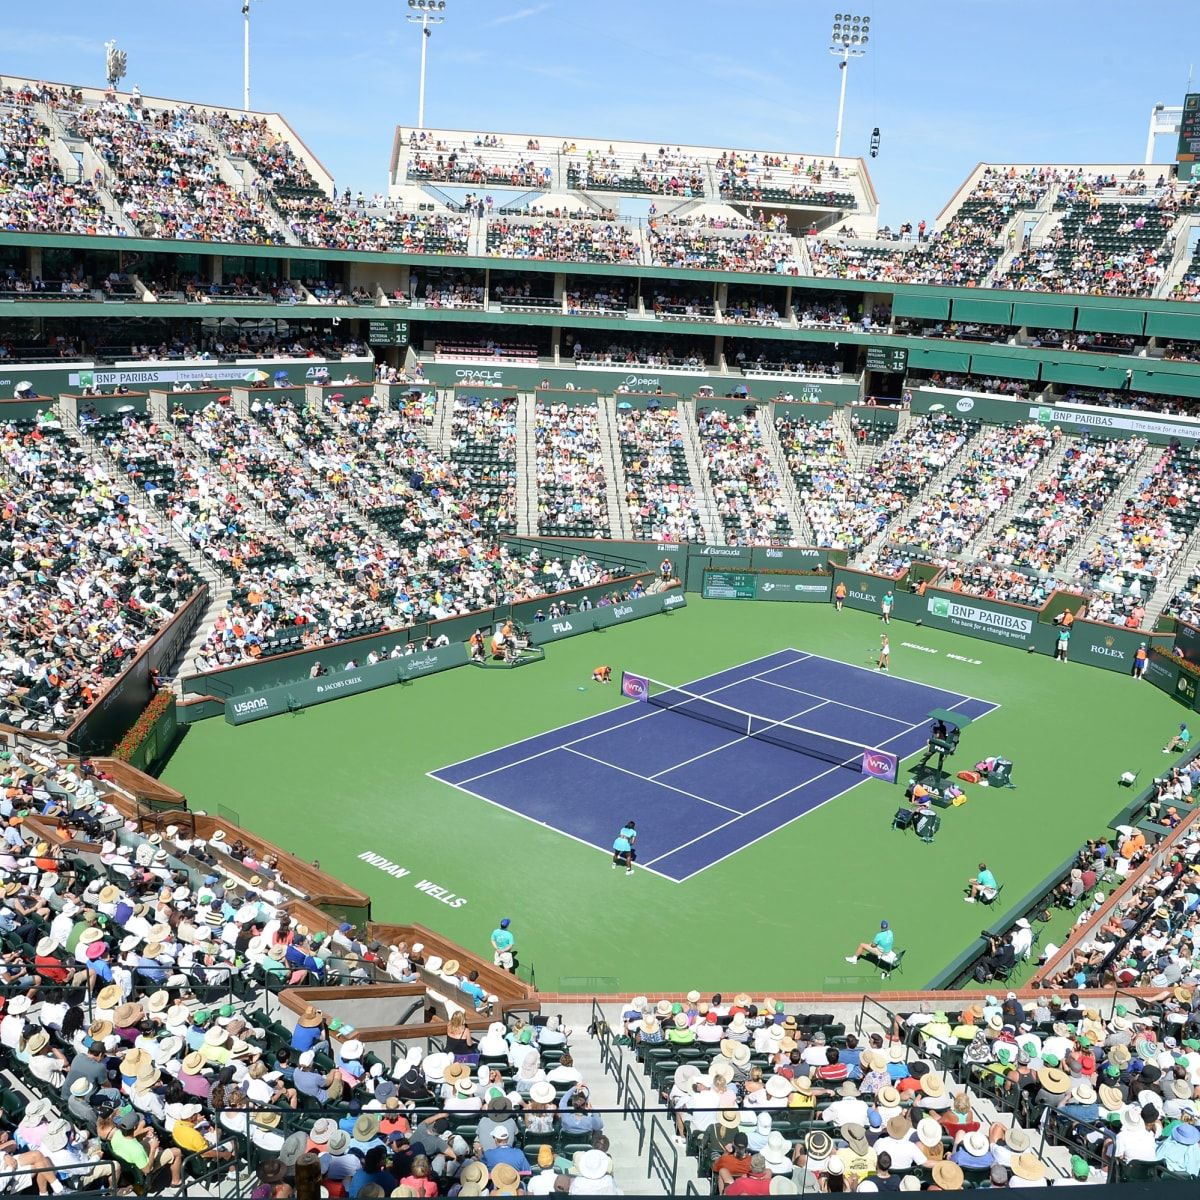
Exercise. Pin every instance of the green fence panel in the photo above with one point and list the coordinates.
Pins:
(993, 312)
(926, 359)
(1105, 646)
(992, 620)
(1187, 642)
(1043, 316)
(633, 610)
(1110, 320)
(1008, 366)
(771, 558)
(270, 702)
(1059, 601)
(810, 589)
(934, 308)
(1085, 374)
(1165, 675)
(864, 590)
(525, 613)
(1166, 381)
(1174, 325)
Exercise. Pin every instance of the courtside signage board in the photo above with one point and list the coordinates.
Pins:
(787, 587)
(980, 619)
(730, 585)
(1124, 422)
(879, 764)
(270, 702)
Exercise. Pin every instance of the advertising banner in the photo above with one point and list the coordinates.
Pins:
(253, 706)
(609, 381)
(879, 764)
(1187, 642)
(1165, 675)
(1105, 646)
(988, 619)
(863, 591)
(632, 610)
(812, 589)
(773, 558)
(636, 687)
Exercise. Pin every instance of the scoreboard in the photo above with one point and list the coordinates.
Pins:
(387, 333)
(887, 358)
(730, 585)
(1188, 153)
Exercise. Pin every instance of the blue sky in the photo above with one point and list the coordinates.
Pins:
(948, 84)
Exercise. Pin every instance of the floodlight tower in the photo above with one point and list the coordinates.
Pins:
(246, 55)
(115, 63)
(426, 13)
(848, 40)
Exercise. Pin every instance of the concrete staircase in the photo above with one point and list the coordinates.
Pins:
(79, 161)
(1051, 464)
(527, 508)
(701, 483)
(614, 470)
(241, 174)
(1187, 565)
(443, 421)
(1181, 259)
(795, 505)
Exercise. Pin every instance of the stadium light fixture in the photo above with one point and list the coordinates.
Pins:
(425, 13)
(115, 63)
(849, 39)
(246, 55)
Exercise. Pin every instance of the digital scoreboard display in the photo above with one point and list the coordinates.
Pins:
(1188, 153)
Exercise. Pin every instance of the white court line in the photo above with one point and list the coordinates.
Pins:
(840, 703)
(644, 713)
(516, 812)
(612, 766)
(782, 795)
(745, 737)
(933, 687)
(807, 811)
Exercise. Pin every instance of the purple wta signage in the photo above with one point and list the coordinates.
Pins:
(636, 687)
(880, 765)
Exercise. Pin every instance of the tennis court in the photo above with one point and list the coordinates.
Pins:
(712, 766)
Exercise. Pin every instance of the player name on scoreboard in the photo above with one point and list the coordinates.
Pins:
(892, 359)
(765, 585)
(730, 585)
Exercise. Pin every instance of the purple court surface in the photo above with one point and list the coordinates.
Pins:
(700, 793)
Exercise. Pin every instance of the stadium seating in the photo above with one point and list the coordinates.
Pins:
(750, 503)
(483, 450)
(950, 514)
(660, 499)
(1062, 508)
(88, 578)
(572, 493)
(33, 193)
(563, 240)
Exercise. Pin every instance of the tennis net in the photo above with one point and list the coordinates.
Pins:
(853, 756)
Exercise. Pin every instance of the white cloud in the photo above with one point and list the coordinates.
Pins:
(520, 14)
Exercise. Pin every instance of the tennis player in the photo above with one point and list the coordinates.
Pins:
(623, 851)
(885, 651)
